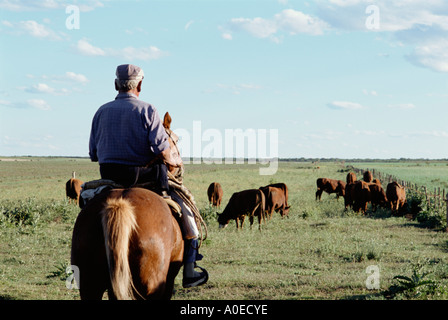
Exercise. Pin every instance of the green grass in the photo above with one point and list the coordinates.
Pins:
(320, 252)
(432, 174)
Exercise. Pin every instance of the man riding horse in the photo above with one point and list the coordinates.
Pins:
(132, 147)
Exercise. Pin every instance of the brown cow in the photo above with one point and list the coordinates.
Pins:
(367, 176)
(396, 196)
(275, 201)
(215, 194)
(248, 202)
(377, 195)
(360, 196)
(73, 189)
(282, 186)
(349, 194)
(363, 193)
(351, 177)
(282, 201)
(330, 186)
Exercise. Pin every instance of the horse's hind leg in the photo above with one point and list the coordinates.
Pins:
(91, 291)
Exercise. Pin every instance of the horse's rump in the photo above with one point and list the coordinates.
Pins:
(127, 241)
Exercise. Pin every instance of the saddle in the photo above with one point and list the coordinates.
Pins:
(92, 188)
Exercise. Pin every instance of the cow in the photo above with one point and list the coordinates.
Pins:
(367, 176)
(377, 195)
(73, 188)
(351, 177)
(278, 200)
(396, 196)
(349, 194)
(275, 201)
(215, 194)
(330, 186)
(249, 202)
(360, 196)
(363, 193)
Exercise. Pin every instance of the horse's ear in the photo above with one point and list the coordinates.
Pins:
(167, 121)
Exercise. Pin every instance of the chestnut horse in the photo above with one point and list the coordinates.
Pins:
(128, 242)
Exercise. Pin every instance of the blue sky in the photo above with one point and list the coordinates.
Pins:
(312, 70)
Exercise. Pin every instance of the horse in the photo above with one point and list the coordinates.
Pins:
(128, 242)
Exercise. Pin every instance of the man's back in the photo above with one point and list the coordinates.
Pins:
(127, 131)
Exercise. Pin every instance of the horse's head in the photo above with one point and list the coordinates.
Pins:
(173, 139)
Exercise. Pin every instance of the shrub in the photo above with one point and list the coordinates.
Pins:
(29, 212)
(415, 286)
(23, 212)
(425, 214)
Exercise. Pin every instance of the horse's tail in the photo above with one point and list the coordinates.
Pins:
(118, 222)
(262, 205)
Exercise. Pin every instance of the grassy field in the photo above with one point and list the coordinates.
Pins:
(432, 174)
(320, 252)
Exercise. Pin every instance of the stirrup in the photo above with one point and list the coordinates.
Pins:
(196, 281)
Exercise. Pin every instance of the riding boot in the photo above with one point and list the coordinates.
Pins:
(191, 277)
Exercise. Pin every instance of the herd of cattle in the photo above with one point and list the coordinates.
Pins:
(262, 202)
(359, 193)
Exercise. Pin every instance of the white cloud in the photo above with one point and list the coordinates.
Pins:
(5, 103)
(370, 133)
(258, 27)
(31, 28)
(422, 25)
(188, 25)
(39, 104)
(45, 88)
(33, 5)
(128, 53)
(370, 93)
(71, 76)
(433, 55)
(132, 53)
(290, 21)
(329, 135)
(227, 36)
(345, 105)
(237, 89)
(395, 15)
(295, 22)
(85, 48)
(33, 103)
(402, 106)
